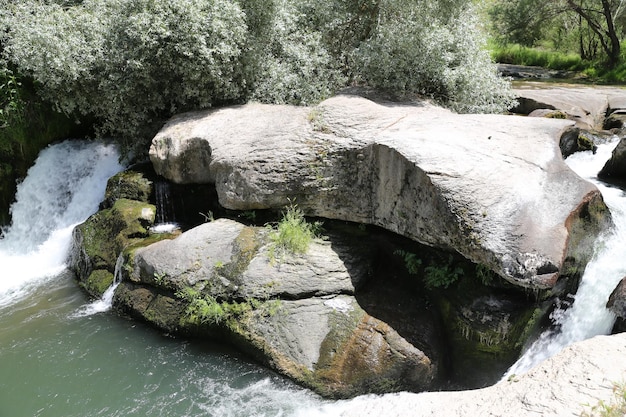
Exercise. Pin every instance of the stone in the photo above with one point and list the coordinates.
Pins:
(491, 187)
(615, 167)
(297, 314)
(97, 243)
(569, 384)
(129, 184)
(577, 140)
(617, 305)
(586, 105)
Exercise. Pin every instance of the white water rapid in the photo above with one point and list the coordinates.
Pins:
(588, 316)
(63, 188)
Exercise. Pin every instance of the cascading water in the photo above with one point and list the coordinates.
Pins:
(106, 302)
(588, 316)
(63, 188)
(165, 214)
(107, 366)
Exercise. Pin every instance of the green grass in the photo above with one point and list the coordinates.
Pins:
(521, 55)
(615, 408)
(592, 71)
(292, 235)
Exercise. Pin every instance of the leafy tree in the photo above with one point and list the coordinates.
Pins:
(435, 50)
(601, 17)
(129, 64)
(593, 26)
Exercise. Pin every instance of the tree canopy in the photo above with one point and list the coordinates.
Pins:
(128, 64)
(594, 27)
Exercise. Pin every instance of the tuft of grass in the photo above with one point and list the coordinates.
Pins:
(293, 234)
(615, 408)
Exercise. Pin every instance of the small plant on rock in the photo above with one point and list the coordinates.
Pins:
(293, 234)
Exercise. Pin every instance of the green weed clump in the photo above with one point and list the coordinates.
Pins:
(615, 408)
(207, 310)
(293, 234)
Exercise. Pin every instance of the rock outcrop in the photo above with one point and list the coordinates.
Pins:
(587, 106)
(493, 188)
(297, 314)
(582, 376)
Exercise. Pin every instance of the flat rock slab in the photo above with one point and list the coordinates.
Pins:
(491, 187)
(566, 385)
(586, 105)
(233, 261)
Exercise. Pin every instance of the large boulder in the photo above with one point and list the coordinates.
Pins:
(298, 313)
(493, 188)
(98, 242)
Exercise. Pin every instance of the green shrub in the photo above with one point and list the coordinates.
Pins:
(129, 64)
(292, 235)
(442, 276)
(411, 261)
(422, 53)
(205, 309)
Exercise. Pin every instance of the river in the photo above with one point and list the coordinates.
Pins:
(61, 358)
(64, 355)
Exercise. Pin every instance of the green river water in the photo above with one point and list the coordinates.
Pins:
(58, 363)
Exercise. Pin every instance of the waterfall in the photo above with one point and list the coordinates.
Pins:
(106, 302)
(64, 187)
(588, 316)
(166, 220)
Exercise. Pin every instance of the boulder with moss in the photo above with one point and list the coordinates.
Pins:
(131, 184)
(297, 313)
(97, 243)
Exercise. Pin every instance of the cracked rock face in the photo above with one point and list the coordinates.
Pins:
(493, 188)
(301, 316)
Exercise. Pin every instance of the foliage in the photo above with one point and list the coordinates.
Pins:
(296, 67)
(484, 274)
(442, 275)
(411, 261)
(523, 55)
(591, 28)
(615, 408)
(128, 64)
(11, 102)
(438, 274)
(205, 309)
(412, 52)
(293, 234)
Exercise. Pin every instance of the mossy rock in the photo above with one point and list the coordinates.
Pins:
(99, 240)
(486, 331)
(556, 114)
(130, 185)
(98, 282)
(585, 142)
